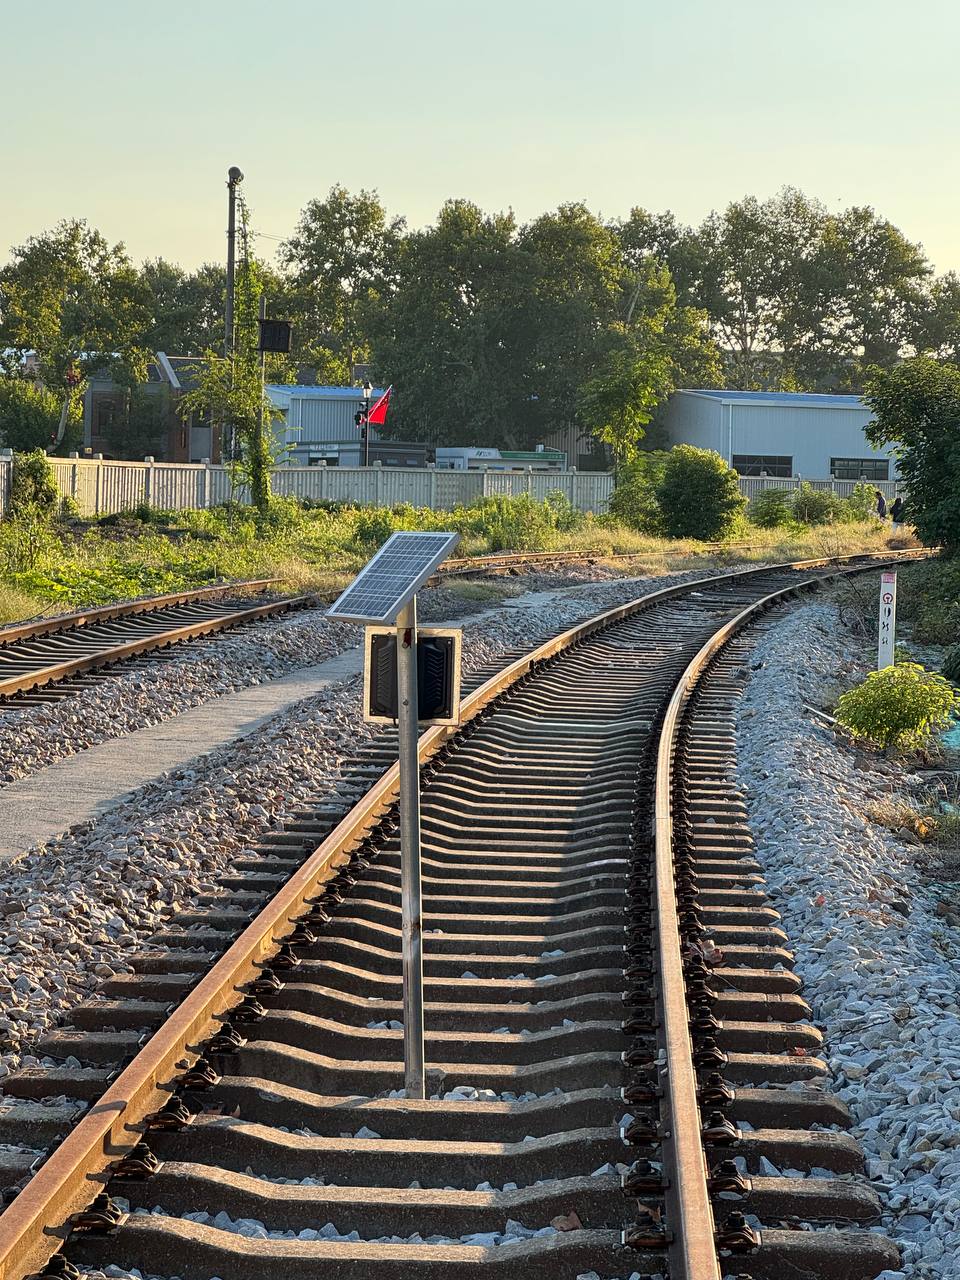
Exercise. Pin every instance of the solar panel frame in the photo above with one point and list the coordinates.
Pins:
(393, 577)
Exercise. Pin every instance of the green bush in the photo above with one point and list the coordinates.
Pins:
(929, 599)
(33, 490)
(29, 415)
(699, 495)
(634, 499)
(772, 508)
(815, 506)
(951, 664)
(900, 706)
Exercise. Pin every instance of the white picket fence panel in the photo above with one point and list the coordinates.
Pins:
(100, 487)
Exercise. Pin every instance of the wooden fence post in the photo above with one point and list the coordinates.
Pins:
(97, 482)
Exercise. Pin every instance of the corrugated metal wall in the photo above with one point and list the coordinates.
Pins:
(809, 434)
(321, 421)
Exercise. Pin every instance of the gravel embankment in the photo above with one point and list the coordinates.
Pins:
(879, 960)
(73, 911)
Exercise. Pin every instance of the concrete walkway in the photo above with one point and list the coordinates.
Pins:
(40, 808)
(85, 786)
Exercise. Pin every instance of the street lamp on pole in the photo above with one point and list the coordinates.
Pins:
(367, 394)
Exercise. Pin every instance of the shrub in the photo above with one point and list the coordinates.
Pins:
(33, 490)
(930, 600)
(900, 706)
(951, 664)
(634, 499)
(699, 495)
(29, 415)
(772, 508)
(815, 506)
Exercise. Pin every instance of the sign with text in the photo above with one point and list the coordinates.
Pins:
(886, 644)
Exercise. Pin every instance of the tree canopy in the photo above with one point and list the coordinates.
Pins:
(499, 332)
(917, 408)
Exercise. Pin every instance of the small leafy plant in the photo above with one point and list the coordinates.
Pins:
(900, 706)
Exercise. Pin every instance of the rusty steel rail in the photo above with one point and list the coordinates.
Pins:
(123, 609)
(53, 672)
(477, 566)
(36, 1224)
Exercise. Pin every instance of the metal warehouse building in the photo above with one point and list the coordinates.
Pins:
(318, 420)
(781, 434)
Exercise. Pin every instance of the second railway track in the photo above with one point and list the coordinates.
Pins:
(619, 1056)
(53, 657)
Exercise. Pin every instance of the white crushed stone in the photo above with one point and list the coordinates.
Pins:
(880, 966)
(33, 737)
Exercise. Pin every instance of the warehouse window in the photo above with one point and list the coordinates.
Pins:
(756, 464)
(860, 468)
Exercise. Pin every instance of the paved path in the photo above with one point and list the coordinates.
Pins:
(81, 787)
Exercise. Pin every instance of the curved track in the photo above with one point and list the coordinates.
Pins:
(611, 1014)
(54, 657)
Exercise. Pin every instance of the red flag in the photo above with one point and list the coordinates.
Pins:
(378, 414)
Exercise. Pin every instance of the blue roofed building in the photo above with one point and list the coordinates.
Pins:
(781, 434)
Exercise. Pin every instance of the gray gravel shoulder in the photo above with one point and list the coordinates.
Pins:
(879, 964)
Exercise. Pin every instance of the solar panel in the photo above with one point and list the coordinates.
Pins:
(393, 577)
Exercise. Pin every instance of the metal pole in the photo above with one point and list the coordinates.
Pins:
(412, 910)
(234, 178)
(366, 433)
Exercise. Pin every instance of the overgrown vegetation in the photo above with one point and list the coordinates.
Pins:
(902, 706)
(685, 493)
(929, 600)
(805, 505)
(49, 565)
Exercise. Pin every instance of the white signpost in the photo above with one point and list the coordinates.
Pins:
(886, 644)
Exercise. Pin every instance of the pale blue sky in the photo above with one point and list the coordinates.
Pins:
(129, 114)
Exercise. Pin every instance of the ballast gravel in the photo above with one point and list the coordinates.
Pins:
(73, 912)
(33, 737)
(134, 697)
(880, 964)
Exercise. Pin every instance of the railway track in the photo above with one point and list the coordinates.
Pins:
(621, 1066)
(525, 561)
(51, 658)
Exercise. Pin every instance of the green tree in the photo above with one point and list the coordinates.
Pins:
(186, 308)
(917, 410)
(938, 320)
(29, 415)
(231, 391)
(78, 303)
(699, 495)
(340, 259)
(451, 333)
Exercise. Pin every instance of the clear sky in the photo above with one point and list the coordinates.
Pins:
(129, 114)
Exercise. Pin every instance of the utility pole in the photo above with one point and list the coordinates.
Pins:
(234, 178)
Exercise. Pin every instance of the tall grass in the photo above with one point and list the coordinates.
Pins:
(54, 567)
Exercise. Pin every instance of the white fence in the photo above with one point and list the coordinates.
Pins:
(751, 485)
(102, 488)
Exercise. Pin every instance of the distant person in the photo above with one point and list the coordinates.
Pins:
(896, 513)
(881, 505)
